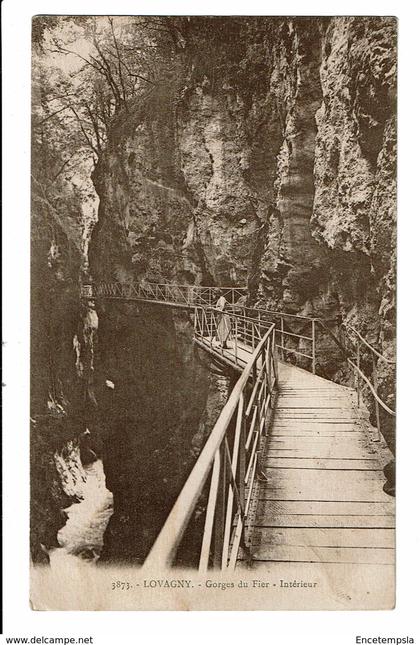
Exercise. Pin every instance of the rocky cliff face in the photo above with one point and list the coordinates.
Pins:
(62, 341)
(57, 393)
(266, 158)
(275, 168)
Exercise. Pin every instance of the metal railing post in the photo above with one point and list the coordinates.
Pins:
(313, 346)
(236, 340)
(282, 338)
(242, 464)
(275, 359)
(375, 385)
(209, 521)
(268, 363)
(219, 520)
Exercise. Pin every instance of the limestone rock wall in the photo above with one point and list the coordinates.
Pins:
(259, 167)
(58, 383)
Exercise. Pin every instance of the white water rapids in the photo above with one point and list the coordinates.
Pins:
(81, 538)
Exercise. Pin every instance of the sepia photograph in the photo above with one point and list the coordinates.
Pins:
(213, 312)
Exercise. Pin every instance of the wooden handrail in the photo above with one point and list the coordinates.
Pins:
(307, 319)
(372, 389)
(117, 290)
(262, 323)
(365, 342)
(195, 286)
(355, 367)
(164, 549)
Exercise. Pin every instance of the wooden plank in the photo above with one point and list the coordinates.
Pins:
(313, 403)
(292, 429)
(331, 428)
(291, 425)
(341, 434)
(308, 400)
(316, 423)
(364, 537)
(336, 441)
(316, 414)
(296, 389)
(318, 420)
(315, 435)
(329, 521)
(368, 492)
(273, 508)
(323, 485)
(297, 408)
(320, 451)
(294, 394)
(303, 406)
(324, 554)
(321, 479)
(299, 432)
(299, 386)
(325, 464)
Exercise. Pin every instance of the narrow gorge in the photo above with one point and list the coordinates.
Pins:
(260, 152)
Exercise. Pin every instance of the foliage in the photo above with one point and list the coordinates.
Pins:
(86, 70)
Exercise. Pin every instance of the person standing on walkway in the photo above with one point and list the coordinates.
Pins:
(223, 328)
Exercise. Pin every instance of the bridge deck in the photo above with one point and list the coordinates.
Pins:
(323, 502)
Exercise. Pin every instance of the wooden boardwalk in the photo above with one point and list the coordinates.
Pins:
(323, 501)
(311, 471)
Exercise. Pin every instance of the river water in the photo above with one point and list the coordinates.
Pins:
(81, 538)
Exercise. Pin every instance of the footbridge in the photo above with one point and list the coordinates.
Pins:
(291, 475)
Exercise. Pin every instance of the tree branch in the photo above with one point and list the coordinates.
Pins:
(63, 166)
(86, 136)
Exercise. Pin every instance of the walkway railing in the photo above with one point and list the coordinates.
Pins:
(243, 334)
(183, 295)
(296, 336)
(366, 359)
(230, 459)
(363, 359)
